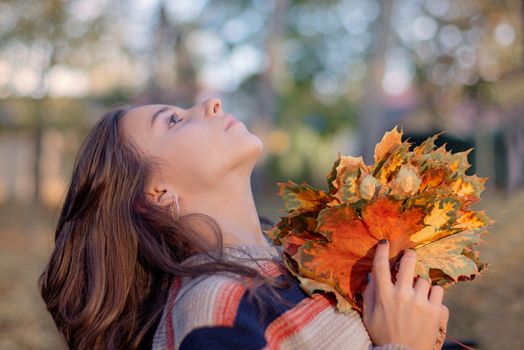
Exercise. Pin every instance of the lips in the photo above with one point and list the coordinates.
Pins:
(230, 121)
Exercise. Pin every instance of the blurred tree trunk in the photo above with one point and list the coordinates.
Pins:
(372, 112)
(484, 145)
(514, 135)
(38, 138)
(168, 58)
(266, 93)
(40, 125)
(161, 35)
(514, 138)
(186, 84)
(265, 85)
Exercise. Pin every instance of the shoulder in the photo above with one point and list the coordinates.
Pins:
(206, 301)
(214, 312)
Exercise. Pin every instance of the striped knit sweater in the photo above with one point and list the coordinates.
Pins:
(213, 312)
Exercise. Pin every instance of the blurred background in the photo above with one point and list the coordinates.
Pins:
(310, 78)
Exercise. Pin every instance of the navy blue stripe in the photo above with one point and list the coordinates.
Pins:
(222, 338)
(250, 313)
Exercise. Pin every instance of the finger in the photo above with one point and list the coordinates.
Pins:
(406, 271)
(443, 326)
(381, 270)
(422, 288)
(368, 298)
(444, 318)
(436, 295)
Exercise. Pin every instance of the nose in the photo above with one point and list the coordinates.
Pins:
(213, 107)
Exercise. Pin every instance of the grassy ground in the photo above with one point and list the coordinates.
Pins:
(25, 244)
(489, 310)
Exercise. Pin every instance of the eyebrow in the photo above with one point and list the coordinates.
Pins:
(157, 113)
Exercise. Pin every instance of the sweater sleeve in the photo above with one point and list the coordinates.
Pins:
(243, 335)
(217, 313)
(239, 338)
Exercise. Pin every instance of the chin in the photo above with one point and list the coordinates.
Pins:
(254, 147)
(250, 151)
(259, 145)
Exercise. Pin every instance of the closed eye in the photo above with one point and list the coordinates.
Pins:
(174, 119)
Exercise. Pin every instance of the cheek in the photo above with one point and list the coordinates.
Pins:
(194, 160)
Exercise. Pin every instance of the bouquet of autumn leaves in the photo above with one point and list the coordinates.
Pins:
(417, 199)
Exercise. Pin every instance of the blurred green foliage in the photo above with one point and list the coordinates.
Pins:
(329, 72)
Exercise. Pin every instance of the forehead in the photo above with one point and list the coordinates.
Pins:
(136, 123)
(144, 111)
(140, 117)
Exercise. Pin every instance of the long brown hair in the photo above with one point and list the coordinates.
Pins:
(116, 253)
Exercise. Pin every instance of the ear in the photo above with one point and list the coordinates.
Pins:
(162, 197)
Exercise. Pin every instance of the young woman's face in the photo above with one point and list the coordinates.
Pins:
(194, 147)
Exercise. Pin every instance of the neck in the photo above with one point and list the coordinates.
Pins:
(232, 206)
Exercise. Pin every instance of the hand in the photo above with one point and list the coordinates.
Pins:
(401, 313)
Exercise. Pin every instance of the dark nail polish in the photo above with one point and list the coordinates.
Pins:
(368, 277)
(383, 241)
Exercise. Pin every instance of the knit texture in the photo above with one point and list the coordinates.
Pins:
(214, 312)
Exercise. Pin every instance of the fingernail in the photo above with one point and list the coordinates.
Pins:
(368, 277)
(383, 241)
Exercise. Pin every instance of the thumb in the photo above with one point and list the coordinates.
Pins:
(368, 297)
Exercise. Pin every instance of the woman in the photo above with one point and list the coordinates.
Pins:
(159, 245)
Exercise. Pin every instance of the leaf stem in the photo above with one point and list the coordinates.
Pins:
(456, 341)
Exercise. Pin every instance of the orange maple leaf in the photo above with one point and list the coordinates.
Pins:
(345, 259)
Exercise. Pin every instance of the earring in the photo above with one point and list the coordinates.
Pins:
(177, 210)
